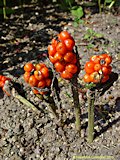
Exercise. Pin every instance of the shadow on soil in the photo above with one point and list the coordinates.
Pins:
(22, 40)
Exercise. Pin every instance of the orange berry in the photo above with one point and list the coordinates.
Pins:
(71, 68)
(42, 84)
(59, 67)
(26, 76)
(29, 67)
(45, 72)
(33, 81)
(86, 78)
(48, 82)
(66, 75)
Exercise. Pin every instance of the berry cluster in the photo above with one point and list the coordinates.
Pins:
(98, 68)
(2, 80)
(37, 76)
(62, 56)
(2, 83)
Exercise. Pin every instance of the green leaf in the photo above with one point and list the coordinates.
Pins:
(108, 1)
(90, 46)
(76, 19)
(90, 85)
(90, 31)
(75, 24)
(77, 12)
(81, 21)
(91, 34)
(98, 35)
(86, 36)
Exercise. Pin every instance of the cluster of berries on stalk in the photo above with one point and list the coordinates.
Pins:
(2, 83)
(37, 76)
(62, 56)
(98, 68)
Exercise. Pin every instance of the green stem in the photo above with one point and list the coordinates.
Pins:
(91, 99)
(76, 106)
(99, 4)
(78, 123)
(4, 9)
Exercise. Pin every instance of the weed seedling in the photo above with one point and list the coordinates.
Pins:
(91, 34)
(77, 13)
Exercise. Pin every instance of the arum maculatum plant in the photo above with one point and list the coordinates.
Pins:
(97, 71)
(39, 78)
(64, 60)
(61, 54)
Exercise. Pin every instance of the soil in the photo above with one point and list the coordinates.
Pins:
(26, 134)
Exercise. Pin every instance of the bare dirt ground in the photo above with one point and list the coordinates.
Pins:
(29, 135)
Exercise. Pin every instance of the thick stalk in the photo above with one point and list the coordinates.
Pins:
(91, 99)
(76, 106)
